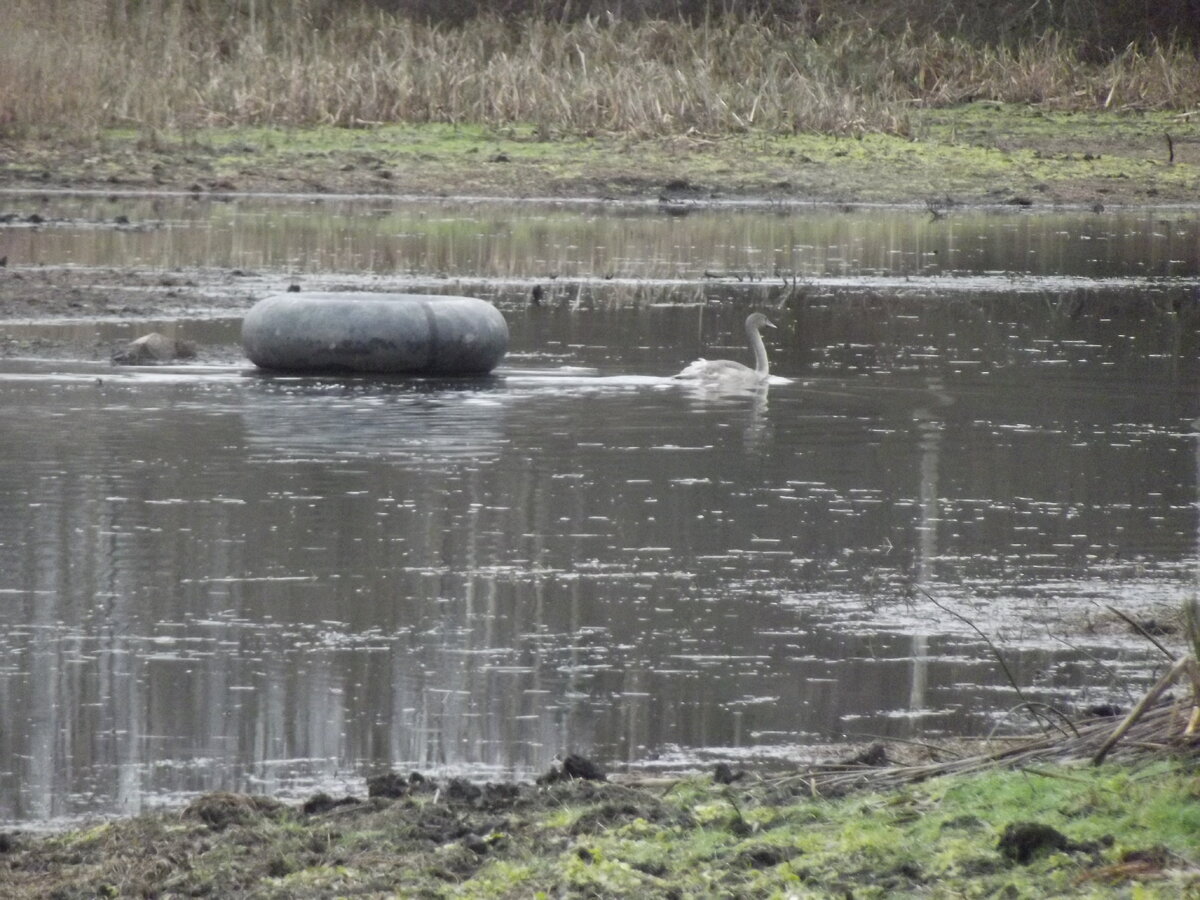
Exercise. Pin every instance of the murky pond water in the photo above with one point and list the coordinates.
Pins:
(215, 578)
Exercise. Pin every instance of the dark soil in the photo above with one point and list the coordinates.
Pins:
(225, 844)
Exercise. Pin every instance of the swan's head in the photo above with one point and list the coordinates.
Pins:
(757, 321)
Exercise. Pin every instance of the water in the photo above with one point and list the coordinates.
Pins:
(214, 578)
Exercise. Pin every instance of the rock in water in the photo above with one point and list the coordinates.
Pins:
(153, 348)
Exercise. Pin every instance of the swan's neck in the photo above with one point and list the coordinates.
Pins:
(761, 369)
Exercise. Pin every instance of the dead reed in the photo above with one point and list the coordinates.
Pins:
(1160, 730)
(1159, 724)
(77, 67)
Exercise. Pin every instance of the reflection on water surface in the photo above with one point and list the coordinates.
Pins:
(487, 240)
(210, 577)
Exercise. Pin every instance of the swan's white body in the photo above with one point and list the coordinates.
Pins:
(726, 372)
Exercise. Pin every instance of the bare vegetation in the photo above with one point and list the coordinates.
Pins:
(77, 67)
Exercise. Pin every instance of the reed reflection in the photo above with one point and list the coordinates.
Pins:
(302, 236)
(929, 424)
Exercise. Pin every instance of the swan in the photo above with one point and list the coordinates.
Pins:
(728, 372)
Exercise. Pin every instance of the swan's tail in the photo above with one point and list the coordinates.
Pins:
(698, 369)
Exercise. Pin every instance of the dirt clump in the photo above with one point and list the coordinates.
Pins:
(321, 803)
(390, 784)
(1023, 842)
(574, 768)
(221, 810)
(613, 814)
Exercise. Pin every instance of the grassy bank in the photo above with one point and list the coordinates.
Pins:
(1051, 830)
(850, 103)
(73, 68)
(976, 153)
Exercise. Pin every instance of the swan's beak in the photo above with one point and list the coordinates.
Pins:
(768, 323)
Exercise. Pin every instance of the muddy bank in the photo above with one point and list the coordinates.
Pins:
(1060, 830)
(978, 153)
(56, 293)
(136, 295)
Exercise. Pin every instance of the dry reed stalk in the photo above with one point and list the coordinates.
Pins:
(1186, 666)
(1154, 725)
(1159, 729)
(79, 66)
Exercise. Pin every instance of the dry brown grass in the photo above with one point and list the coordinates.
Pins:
(1049, 71)
(80, 66)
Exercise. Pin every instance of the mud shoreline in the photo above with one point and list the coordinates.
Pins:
(978, 155)
(1054, 829)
